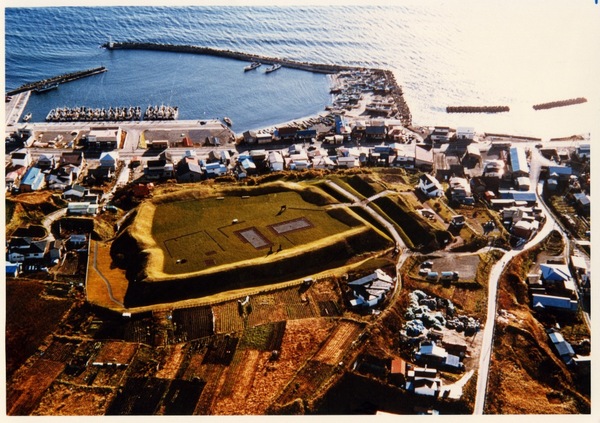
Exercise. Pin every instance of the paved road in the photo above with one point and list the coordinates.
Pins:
(486, 348)
(363, 204)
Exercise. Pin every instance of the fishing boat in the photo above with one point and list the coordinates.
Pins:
(227, 121)
(272, 68)
(251, 66)
(27, 117)
(46, 87)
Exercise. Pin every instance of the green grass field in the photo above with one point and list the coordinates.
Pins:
(203, 234)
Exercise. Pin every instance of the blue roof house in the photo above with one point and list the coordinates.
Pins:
(33, 180)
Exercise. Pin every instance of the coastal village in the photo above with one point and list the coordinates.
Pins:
(466, 219)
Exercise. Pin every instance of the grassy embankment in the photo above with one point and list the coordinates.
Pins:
(201, 234)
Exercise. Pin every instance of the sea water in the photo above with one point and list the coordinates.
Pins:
(443, 53)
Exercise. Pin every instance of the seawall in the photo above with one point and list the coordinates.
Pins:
(58, 79)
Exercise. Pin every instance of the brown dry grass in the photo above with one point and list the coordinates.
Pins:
(116, 352)
(97, 291)
(262, 380)
(68, 400)
(526, 376)
(28, 390)
(171, 362)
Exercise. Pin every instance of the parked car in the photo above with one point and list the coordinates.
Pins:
(450, 276)
(428, 264)
(432, 276)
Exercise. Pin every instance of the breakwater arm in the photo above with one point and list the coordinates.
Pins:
(560, 103)
(312, 67)
(477, 109)
(57, 80)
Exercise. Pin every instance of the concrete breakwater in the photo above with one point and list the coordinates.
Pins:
(57, 80)
(560, 103)
(477, 109)
(394, 88)
(312, 67)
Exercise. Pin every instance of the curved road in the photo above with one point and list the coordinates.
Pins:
(488, 335)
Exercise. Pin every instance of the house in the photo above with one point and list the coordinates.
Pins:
(74, 160)
(56, 250)
(104, 138)
(518, 162)
(583, 151)
(440, 134)
(286, 132)
(552, 302)
(582, 203)
(465, 133)
(189, 170)
(97, 174)
(249, 137)
(82, 208)
(333, 139)
(375, 133)
(323, 162)
(523, 183)
(14, 176)
(248, 166)
(33, 180)
(561, 173)
(558, 277)
(215, 169)
(370, 290)
(493, 169)
(432, 354)
(109, 159)
(306, 134)
(13, 269)
(158, 169)
(20, 157)
(562, 347)
(423, 158)
(528, 197)
(398, 372)
(430, 186)
(424, 381)
(348, 162)
(342, 127)
(46, 161)
(460, 190)
(473, 154)
(77, 241)
(74, 193)
(276, 162)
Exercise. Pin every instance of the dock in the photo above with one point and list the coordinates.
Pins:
(15, 107)
(60, 79)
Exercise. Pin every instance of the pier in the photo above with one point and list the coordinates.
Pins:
(14, 108)
(45, 84)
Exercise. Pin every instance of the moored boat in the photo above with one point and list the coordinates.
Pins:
(46, 87)
(227, 121)
(27, 117)
(272, 68)
(251, 66)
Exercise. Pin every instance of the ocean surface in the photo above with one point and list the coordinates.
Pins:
(443, 53)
